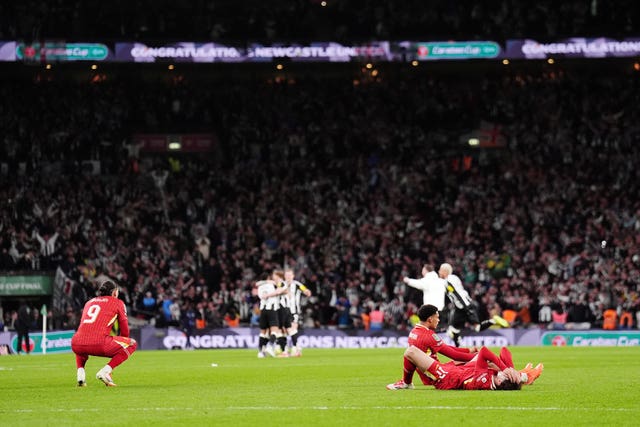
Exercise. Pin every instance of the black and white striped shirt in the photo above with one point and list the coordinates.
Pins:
(296, 289)
(457, 293)
(284, 298)
(266, 287)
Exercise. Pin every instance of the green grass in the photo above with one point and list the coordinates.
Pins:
(580, 386)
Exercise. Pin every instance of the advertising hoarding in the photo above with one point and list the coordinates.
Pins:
(25, 285)
(7, 51)
(572, 48)
(60, 51)
(591, 338)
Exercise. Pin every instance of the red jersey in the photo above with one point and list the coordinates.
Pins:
(472, 376)
(428, 341)
(481, 380)
(99, 316)
(464, 377)
(481, 377)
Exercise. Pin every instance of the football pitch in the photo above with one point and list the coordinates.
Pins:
(325, 387)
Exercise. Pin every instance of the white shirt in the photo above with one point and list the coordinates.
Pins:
(433, 289)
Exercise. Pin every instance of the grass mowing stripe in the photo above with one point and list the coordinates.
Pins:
(579, 386)
(326, 408)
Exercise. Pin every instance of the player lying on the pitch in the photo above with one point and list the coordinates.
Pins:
(528, 374)
(485, 372)
(423, 337)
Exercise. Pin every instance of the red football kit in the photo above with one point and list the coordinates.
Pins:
(428, 341)
(473, 376)
(93, 337)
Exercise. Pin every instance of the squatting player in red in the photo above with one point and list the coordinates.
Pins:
(94, 338)
(423, 336)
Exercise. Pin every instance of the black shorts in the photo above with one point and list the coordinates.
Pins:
(460, 317)
(268, 319)
(284, 317)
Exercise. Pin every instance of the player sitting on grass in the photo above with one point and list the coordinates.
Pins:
(424, 337)
(477, 375)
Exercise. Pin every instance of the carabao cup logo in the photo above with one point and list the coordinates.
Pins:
(559, 341)
(23, 347)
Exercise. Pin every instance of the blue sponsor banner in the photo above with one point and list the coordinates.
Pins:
(178, 52)
(214, 52)
(155, 339)
(318, 51)
(572, 48)
(7, 51)
(321, 52)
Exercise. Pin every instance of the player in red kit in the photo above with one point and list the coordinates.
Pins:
(93, 337)
(424, 337)
(476, 375)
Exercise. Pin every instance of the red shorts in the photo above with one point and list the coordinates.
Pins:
(107, 346)
(427, 380)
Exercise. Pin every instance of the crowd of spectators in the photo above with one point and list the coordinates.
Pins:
(303, 20)
(354, 184)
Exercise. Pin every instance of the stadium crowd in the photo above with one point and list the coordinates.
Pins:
(304, 20)
(352, 184)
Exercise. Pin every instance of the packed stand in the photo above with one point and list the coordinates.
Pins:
(352, 185)
(304, 20)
